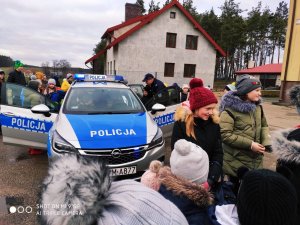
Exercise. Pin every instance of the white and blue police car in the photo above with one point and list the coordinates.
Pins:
(100, 116)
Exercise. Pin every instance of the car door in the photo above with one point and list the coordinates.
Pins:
(170, 98)
(20, 126)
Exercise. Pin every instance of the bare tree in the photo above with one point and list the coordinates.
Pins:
(46, 67)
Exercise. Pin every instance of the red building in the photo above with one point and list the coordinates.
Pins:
(269, 74)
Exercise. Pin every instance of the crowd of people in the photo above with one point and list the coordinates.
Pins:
(39, 82)
(210, 148)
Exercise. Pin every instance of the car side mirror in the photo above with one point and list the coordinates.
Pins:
(41, 109)
(157, 108)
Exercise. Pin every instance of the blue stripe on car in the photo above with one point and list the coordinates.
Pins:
(109, 131)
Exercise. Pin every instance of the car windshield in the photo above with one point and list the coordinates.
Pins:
(90, 100)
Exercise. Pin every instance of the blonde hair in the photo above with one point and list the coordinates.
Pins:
(190, 123)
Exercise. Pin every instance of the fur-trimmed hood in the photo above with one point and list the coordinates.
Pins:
(286, 150)
(233, 101)
(78, 191)
(76, 185)
(182, 187)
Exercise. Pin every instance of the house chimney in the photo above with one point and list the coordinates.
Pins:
(132, 11)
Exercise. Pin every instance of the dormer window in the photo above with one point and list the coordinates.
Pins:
(172, 15)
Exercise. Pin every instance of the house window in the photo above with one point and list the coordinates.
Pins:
(114, 67)
(172, 15)
(189, 70)
(169, 69)
(191, 42)
(171, 40)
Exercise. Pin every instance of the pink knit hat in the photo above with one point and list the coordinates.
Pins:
(150, 177)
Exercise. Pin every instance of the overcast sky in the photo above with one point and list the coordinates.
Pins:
(36, 31)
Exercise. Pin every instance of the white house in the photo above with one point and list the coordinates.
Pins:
(168, 43)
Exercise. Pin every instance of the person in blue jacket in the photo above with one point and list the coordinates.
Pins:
(153, 83)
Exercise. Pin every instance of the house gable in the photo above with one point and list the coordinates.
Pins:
(146, 51)
(135, 24)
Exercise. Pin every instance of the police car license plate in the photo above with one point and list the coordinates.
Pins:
(123, 171)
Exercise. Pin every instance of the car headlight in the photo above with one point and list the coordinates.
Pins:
(61, 145)
(158, 139)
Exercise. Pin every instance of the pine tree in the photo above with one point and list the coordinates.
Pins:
(153, 7)
(166, 3)
(189, 6)
(142, 4)
(232, 38)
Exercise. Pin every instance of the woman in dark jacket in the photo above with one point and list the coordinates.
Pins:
(198, 123)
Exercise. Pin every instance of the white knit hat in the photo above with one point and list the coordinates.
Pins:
(51, 81)
(189, 161)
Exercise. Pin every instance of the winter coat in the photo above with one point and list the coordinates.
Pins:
(156, 86)
(242, 123)
(65, 85)
(208, 138)
(288, 154)
(79, 191)
(192, 199)
(16, 77)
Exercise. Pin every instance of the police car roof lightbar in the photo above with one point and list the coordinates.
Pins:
(98, 77)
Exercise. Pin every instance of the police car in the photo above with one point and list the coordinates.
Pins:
(100, 116)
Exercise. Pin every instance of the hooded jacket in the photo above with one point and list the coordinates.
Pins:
(242, 123)
(192, 199)
(288, 154)
(79, 191)
(208, 137)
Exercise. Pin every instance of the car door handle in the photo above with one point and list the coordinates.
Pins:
(8, 114)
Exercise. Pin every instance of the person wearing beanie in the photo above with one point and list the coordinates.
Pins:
(184, 92)
(244, 128)
(185, 182)
(197, 122)
(150, 177)
(67, 82)
(79, 190)
(17, 76)
(229, 87)
(286, 146)
(32, 77)
(56, 78)
(265, 197)
(50, 87)
(54, 93)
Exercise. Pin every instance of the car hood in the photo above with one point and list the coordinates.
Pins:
(107, 131)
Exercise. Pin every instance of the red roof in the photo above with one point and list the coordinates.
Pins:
(268, 68)
(143, 20)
